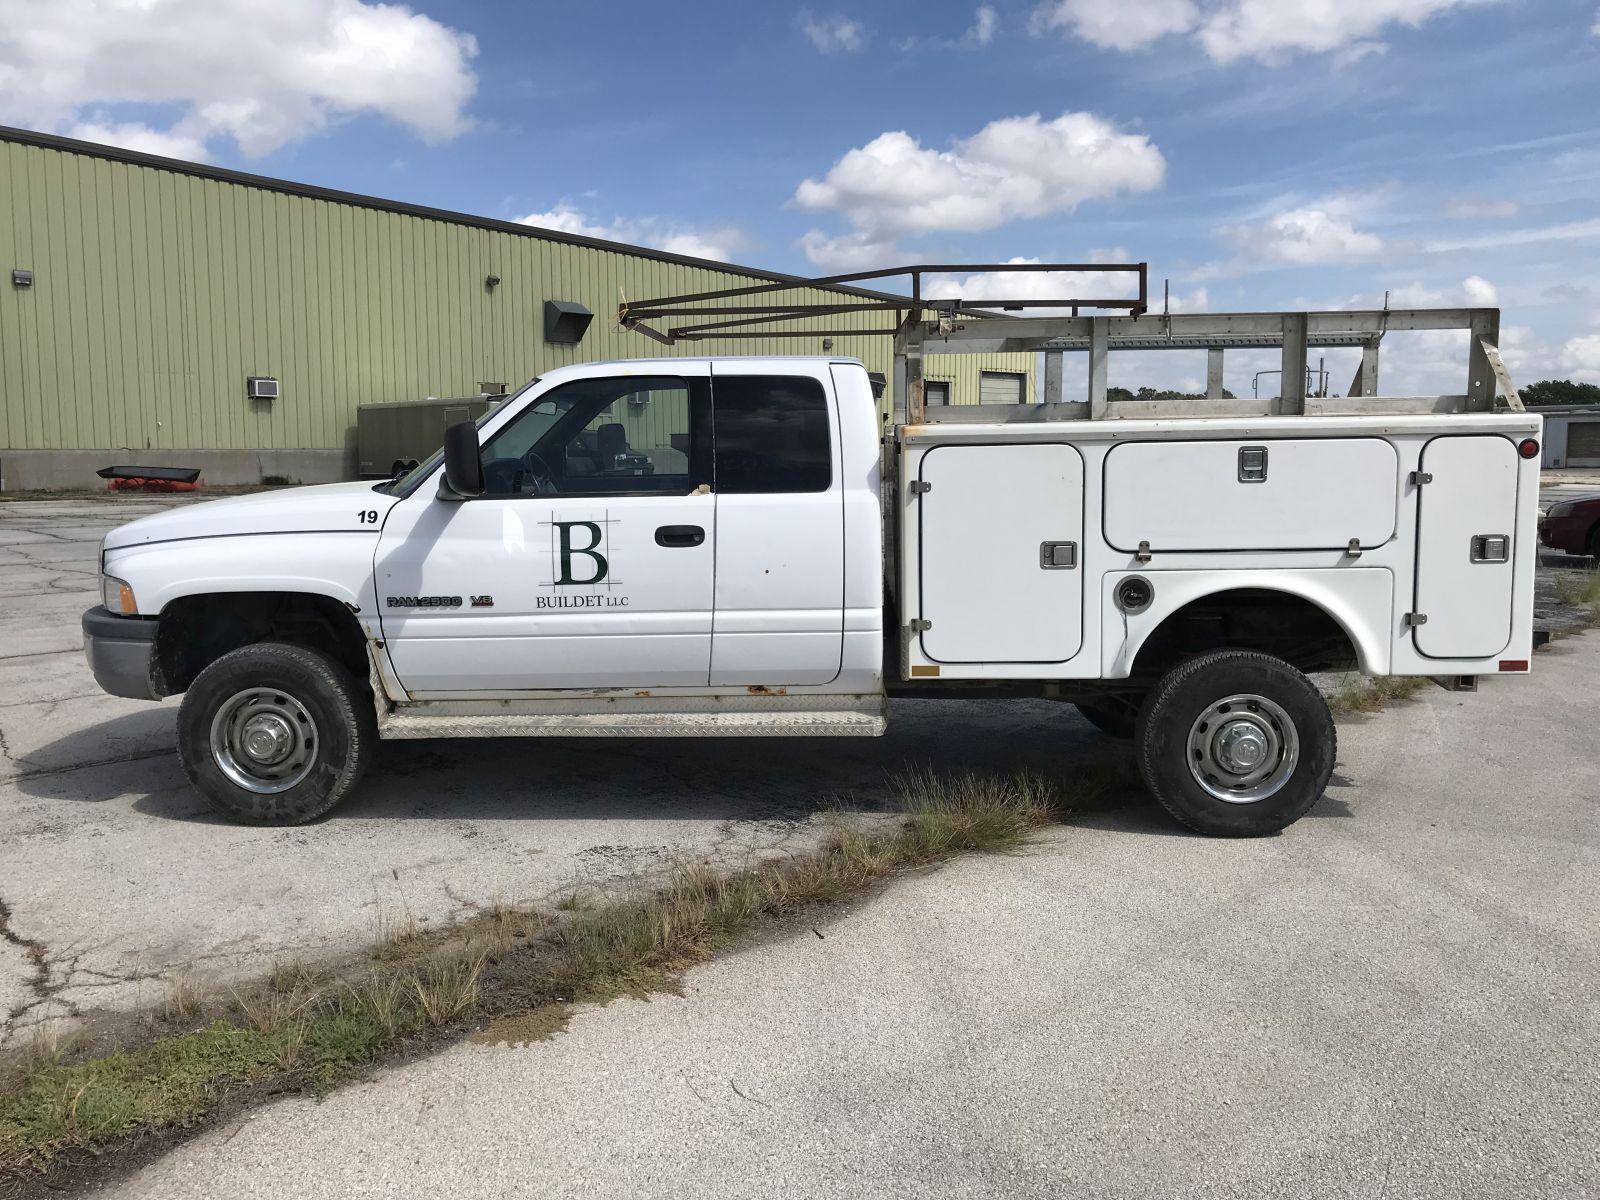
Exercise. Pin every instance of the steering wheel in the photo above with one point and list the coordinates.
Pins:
(536, 471)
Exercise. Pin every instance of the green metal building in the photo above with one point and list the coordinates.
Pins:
(139, 295)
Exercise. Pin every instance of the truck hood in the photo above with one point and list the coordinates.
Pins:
(326, 508)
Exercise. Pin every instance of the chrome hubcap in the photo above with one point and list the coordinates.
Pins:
(267, 738)
(264, 740)
(1243, 748)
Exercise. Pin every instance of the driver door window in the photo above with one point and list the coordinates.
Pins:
(621, 436)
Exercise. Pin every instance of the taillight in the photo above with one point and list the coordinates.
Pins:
(1528, 447)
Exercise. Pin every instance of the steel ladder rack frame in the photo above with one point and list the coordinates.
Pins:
(923, 325)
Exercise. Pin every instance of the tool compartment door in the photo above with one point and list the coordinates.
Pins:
(1465, 585)
(998, 525)
(1251, 494)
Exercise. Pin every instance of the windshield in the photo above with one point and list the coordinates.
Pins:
(404, 485)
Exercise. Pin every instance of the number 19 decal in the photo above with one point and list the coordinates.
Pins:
(368, 516)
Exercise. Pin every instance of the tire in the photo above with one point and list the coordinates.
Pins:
(1197, 759)
(312, 724)
(1594, 543)
(1113, 719)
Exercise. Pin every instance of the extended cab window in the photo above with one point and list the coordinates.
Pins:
(772, 434)
(624, 436)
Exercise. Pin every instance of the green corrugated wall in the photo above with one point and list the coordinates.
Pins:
(156, 293)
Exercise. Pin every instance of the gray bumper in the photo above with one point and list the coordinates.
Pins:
(121, 653)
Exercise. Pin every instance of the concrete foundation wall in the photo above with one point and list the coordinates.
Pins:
(49, 470)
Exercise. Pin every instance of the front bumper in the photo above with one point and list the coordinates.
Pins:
(122, 653)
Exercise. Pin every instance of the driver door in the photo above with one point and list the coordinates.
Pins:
(588, 561)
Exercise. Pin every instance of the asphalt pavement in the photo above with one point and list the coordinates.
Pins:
(1398, 996)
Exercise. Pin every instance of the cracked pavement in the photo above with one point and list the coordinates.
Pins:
(116, 877)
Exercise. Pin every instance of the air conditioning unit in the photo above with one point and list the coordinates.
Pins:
(261, 387)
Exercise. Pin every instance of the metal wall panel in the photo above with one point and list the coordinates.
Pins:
(157, 293)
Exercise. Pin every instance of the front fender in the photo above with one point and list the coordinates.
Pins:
(1359, 599)
(335, 564)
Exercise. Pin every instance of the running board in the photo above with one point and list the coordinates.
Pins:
(689, 716)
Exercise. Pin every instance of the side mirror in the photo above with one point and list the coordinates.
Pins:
(463, 461)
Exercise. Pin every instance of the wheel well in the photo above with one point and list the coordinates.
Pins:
(195, 631)
(1277, 623)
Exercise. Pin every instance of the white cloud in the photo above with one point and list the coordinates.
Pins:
(1479, 292)
(1595, 28)
(833, 34)
(985, 23)
(1128, 26)
(1032, 285)
(1481, 210)
(1579, 358)
(1013, 168)
(719, 244)
(849, 252)
(1572, 231)
(1270, 31)
(134, 136)
(263, 74)
(1473, 292)
(1321, 232)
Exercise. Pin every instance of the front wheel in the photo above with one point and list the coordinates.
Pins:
(1236, 743)
(275, 734)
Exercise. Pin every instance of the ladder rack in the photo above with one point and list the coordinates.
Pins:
(923, 325)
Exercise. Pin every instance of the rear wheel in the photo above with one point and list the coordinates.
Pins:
(1594, 542)
(275, 734)
(1236, 743)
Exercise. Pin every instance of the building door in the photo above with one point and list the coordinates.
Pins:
(587, 562)
(1583, 442)
(780, 527)
(1000, 387)
(935, 392)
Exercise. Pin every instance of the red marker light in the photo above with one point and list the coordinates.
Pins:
(1528, 447)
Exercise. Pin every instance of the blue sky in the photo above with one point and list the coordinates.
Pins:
(1255, 152)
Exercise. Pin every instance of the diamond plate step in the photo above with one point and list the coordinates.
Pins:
(864, 717)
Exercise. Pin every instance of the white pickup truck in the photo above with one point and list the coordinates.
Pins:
(698, 547)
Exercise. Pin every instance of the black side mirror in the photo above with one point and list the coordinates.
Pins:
(463, 461)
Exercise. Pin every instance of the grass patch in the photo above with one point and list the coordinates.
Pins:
(399, 937)
(182, 999)
(1580, 590)
(1357, 693)
(514, 973)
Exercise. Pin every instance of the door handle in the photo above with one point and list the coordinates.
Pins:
(680, 535)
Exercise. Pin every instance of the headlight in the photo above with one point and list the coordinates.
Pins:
(1560, 510)
(117, 596)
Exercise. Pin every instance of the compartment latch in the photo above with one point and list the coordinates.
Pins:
(1491, 548)
(1058, 556)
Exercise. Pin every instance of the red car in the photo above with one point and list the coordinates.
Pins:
(1573, 526)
